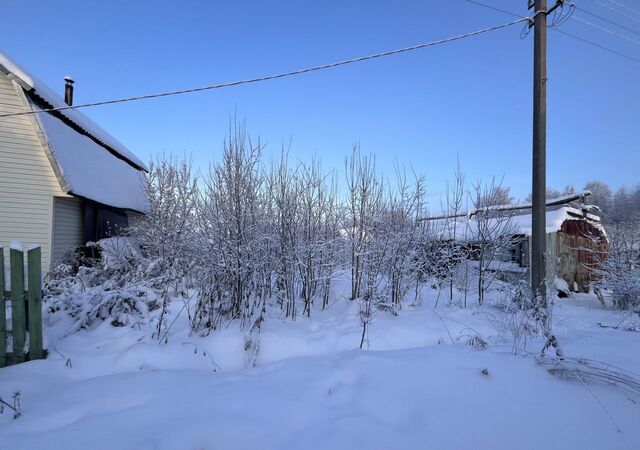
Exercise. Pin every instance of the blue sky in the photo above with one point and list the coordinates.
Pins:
(470, 98)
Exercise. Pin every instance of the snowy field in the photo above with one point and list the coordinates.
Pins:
(418, 386)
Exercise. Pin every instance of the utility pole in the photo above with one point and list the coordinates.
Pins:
(538, 191)
(539, 172)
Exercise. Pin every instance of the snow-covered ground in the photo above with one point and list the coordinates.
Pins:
(418, 386)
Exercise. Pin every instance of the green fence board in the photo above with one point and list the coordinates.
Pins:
(17, 304)
(25, 306)
(35, 304)
(3, 311)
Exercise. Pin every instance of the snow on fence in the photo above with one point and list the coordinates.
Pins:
(26, 306)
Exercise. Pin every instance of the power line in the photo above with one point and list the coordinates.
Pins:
(573, 36)
(560, 18)
(606, 30)
(525, 30)
(620, 5)
(611, 8)
(604, 19)
(504, 11)
(594, 44)
(279, 75)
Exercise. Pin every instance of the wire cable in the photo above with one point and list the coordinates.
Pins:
(504, 11)
(560, 17)
(601, 47)
(604, 19)
(611, 8)
(620, 5)
(279, 75)
(606, 30)
(573, 36)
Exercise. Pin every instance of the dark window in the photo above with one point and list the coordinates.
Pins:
(102, 221)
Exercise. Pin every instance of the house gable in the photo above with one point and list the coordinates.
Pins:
(88, 161)
(47, 98)
(57, 169)
(28, 182)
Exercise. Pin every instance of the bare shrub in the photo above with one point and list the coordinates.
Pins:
(491, 233)
(619, 267)
(234, 257)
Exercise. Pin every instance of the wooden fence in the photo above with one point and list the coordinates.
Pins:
(26, 307)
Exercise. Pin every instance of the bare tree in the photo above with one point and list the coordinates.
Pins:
(491, 233)
(312, 200)
(554, 193)
(454, 198)
(619, 267)
(364, 205)
(494, 194)
(331, 248)
(232, 225)
(284, 190)
(404, 207)
(166, 232)
(601, 195)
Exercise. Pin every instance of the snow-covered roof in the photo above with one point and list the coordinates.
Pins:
(89, 170)
(519, 224)
(36, 87)
(92, 163)
(554, 220)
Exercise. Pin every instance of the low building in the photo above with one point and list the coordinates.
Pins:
(575, 238)
(575, 242)
(64, 181)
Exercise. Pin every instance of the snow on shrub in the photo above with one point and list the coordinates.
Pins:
(477, 343)
(619, 268)
(112, 288)
(118, 253)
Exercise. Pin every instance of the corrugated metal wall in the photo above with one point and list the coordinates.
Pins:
(580, 247)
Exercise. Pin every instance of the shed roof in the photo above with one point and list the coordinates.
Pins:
(466, 228)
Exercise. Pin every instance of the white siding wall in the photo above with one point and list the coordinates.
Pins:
(27, 181)
(68, 226)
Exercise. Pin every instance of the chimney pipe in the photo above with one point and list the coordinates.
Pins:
(68, 90)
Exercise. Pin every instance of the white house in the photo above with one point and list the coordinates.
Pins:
(63, 179)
